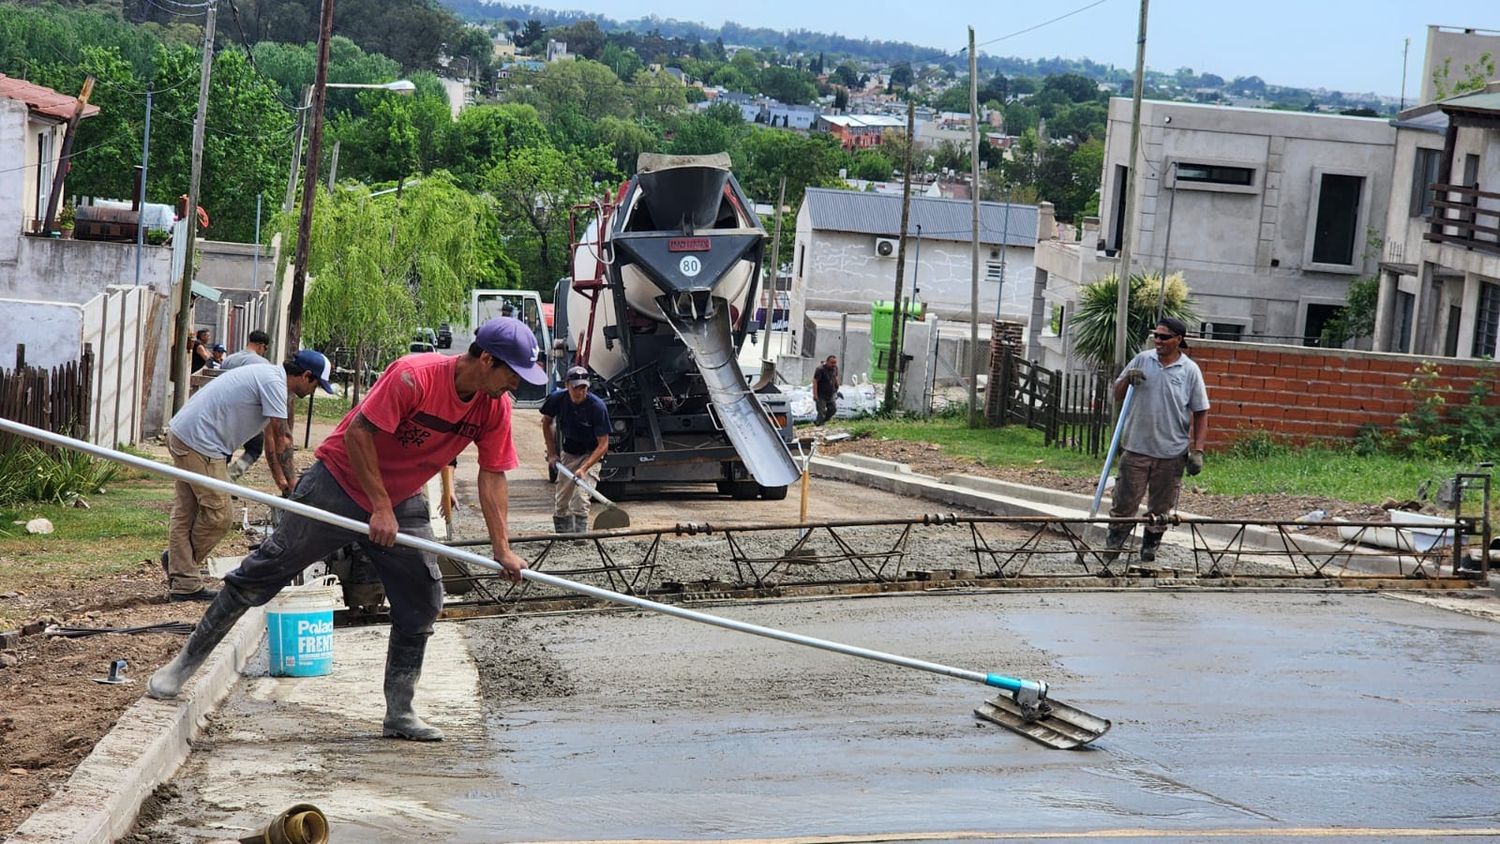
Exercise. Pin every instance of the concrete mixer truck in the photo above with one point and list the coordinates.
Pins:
(659, 302)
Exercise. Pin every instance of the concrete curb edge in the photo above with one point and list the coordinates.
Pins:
(151, 739)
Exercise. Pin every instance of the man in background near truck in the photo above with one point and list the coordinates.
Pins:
(826, 389)
(575, 425)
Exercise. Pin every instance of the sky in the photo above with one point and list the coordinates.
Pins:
(1346, 45)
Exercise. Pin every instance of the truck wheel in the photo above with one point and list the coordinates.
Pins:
(745, 490)
(773, 493)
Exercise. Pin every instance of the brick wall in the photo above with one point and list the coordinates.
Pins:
(1308, 394)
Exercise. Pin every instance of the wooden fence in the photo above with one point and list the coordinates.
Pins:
(57, 400)
(1072, 411)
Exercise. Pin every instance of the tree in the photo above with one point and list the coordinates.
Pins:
(657, 93)
(623, 61)
(901, 76)
(627, 139)
(788, 85)
(955, 98)
(532, 33)
(484, 135)
(534, 189)
(840, 98)
(1094, 319)
(846, 74)
(765, 155)
(870, 164)
(585, 39)
(1475, 76)
(717, 128)
(384, 266)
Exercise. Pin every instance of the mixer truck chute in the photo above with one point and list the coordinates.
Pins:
(658, 305)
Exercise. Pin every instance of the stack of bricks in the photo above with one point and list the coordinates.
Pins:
(1308, 395)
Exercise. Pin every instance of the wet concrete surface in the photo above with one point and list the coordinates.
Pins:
(1263, 712)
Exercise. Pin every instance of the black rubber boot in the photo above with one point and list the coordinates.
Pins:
(580, 524)
(1149, 541)
(1115, 543)
(217, 620)
(562, 524)
(403, 667)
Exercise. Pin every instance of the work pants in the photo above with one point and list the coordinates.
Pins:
(568, 498)
(413, 582)
(1156, 479)
(200, 518)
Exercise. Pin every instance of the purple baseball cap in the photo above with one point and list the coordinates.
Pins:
(511, 342)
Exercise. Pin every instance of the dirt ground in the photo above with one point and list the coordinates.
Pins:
(52, 712)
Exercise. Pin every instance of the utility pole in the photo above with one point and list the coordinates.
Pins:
(309, 184)
(273, 323)
(1405, 47)
(1122, 298)
(900, 314)
(775, 275)
(974, 235)
(140, 192)
(1004, 238)
(64, 158)
(185, 287)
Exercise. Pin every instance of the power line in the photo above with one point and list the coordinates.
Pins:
(1038, 26)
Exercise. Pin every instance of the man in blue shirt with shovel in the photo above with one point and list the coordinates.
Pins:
(1165, 433)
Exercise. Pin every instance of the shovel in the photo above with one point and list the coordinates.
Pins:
(1024, 707)
(611, 517)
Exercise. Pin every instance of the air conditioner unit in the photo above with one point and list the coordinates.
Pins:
(886, 247)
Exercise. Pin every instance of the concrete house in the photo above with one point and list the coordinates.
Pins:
(847, 242)
(60, 294)
(1268, 214)
(860, 131)
(1440, 277)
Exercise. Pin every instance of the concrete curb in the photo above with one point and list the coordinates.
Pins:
(1005, 498)
(146, 746)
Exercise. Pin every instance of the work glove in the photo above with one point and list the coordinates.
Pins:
(1195, 461)
(1134, 376)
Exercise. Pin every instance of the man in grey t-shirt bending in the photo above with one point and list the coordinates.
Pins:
(223, 413)
(1164, 434)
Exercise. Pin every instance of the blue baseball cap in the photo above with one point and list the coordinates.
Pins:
(310, 361)
(511, 342)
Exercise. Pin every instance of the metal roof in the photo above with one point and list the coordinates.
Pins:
(41, 99)
(1489, 101)
(941, 219)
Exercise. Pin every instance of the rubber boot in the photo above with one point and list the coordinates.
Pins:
(1115, 543)
(581, 524)
(403, 667)
(1149, 541)
(562, 524)
(226, 609)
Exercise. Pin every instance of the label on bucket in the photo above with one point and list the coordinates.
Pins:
(300, 643)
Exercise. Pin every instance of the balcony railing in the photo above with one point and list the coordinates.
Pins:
(1466, 216)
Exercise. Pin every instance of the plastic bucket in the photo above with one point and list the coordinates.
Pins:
(299, 629)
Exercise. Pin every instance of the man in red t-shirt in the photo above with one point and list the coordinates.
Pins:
(425, 409)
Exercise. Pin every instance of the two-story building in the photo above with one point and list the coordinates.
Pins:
(1440, 277)
(1269, 216)
(860, 131)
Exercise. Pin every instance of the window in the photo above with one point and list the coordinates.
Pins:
(1405, 302)
(1335, 233)
(992, 271)
(1215, 174)
(801, 255)
(1487, 321)
(1424, 174)
(1117, 229)
(1318, 317)
(1221, 331)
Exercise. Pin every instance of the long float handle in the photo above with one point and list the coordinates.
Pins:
(1114, 445)
(1007, 683)
(584, 485)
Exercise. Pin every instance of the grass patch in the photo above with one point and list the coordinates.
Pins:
(123, 526)
(1257, 469)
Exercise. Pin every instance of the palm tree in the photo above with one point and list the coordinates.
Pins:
(1093, 325)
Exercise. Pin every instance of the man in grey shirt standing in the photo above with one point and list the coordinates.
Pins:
(1164, 434)
(224, 413)
(257, 345)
